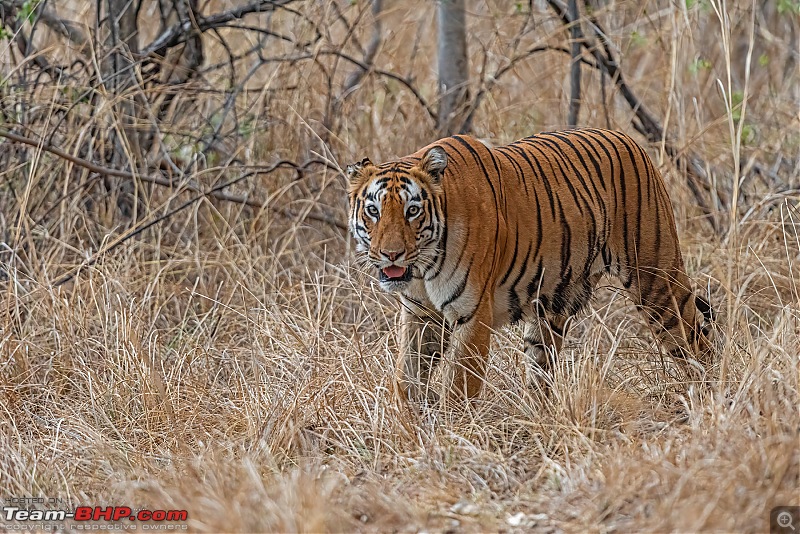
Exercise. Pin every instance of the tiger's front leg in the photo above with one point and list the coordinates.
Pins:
(470, 346)
(423, 340)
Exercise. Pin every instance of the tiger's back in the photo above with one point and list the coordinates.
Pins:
(523, 232)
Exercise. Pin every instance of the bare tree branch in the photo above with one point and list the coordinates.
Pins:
(646, 124)
(406, 82)
(66, 28)
(178, 33)
(355, 77)
(492, 80)
(215, 192)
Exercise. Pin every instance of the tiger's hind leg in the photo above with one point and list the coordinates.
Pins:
(681, 320)
(543, 337)
(544, 333)
(423, 340)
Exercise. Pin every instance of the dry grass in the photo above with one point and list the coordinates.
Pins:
(233, 362)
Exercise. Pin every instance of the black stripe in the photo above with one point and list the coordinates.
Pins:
(626, 141)
(593, 155)
(558, 149)
(560, 302)
(513, 297)
(535, 282)
(437, 267)
(596, 146)
(458, 260)
(461, 285)
(566, 242)
(517, 167)
(476, 156)
(554, 153)
(555, 202)
(596, 195)
(621, 205)
(513, 257)
(521, 149)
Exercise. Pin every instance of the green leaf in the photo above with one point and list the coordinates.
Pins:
(637, 39)
(699, 64)
(704, 4)
(791, 7)
(27, 9)
(736, 105)
(748, 134)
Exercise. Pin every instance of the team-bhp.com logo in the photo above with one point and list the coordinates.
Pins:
(86, 518)
(88, 513)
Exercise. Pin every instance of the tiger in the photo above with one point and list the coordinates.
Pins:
(472, 238)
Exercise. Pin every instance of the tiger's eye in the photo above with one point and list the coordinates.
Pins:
(412, 211)
(372, 211)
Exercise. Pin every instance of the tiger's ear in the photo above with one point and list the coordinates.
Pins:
(354, 171)
(434, 162)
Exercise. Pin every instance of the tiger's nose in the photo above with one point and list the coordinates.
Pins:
(393, 254)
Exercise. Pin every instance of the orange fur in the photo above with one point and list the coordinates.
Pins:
(473, 238)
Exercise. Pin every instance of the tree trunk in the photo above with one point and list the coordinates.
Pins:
(119, 78)
(575, 75)
(182, 61)
(453, 65)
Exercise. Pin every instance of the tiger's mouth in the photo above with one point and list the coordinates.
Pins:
(395, 273)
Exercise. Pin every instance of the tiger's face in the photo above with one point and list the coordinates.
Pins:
(396, 216)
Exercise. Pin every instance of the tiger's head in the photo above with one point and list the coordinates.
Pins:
(396, 215)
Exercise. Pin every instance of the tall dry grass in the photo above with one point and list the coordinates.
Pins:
(232, 361)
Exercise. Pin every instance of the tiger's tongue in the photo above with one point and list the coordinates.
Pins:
(394, 271)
